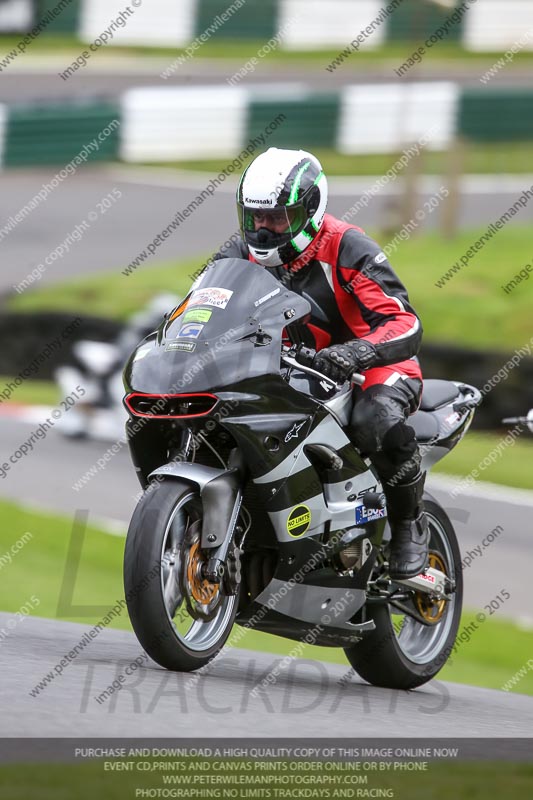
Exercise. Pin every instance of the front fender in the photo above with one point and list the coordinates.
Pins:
(221, 494)
(197, 474)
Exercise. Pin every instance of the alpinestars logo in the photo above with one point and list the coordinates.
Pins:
(294, 431)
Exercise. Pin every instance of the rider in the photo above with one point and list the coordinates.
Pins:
(361, 320)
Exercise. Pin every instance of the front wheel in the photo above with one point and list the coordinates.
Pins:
(180, 619)
(402, 653)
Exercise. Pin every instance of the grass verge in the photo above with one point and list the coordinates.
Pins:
(511, 468)
(43, 393)
(221, 48)
(39, 569)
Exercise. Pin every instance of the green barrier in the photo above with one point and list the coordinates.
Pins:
(56, 134)
(244, 20)
(496, 115)
(415, 21)
(67, 19)
(310, 122)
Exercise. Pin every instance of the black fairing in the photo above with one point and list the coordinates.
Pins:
(241, 339)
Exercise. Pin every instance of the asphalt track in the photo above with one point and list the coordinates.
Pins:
(105, 78)
(305, 700)
(149, 201)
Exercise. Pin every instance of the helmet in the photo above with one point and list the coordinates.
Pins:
(288, 191)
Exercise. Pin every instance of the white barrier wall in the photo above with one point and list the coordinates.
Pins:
(491, 25)
(152, 22)
(173, 124)
(16, 16)
(383, 118)
(321, 23)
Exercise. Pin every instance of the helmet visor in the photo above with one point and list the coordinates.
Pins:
(283, 222)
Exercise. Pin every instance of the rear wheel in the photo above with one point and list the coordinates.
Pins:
(402, 653)
(180, 619)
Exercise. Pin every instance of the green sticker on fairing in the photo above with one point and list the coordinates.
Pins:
(198, 315)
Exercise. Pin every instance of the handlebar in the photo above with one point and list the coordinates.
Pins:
(303, 357)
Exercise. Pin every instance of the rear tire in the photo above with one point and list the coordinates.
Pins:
(414, 655)
(160, 559)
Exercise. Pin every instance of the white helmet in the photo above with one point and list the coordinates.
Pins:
(289, 188)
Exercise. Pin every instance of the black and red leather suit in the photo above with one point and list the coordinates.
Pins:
(355, 294)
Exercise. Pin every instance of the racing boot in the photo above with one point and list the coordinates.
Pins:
(409, 528)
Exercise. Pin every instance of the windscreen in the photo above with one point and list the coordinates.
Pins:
(228, 328)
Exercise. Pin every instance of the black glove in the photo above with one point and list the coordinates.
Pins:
(340, 361)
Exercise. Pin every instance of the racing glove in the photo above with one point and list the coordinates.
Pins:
(340, 361)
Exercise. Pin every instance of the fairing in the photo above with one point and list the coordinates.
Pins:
(228, 329)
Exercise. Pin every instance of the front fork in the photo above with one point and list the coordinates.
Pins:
(221, 500)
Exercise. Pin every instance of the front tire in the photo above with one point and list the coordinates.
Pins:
(407, 655)
(181, 620)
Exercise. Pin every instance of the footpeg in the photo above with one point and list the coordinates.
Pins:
(432, 581)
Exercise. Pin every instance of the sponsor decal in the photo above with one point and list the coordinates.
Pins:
(190, 331)
(380, 258)
(294, 431)
(266, 297)
(364, 515)
(250, 201)
(211, 296)
(298, 521)
(187, 346)
(198, 315)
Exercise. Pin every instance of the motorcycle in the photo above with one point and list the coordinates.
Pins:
(258, 510)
